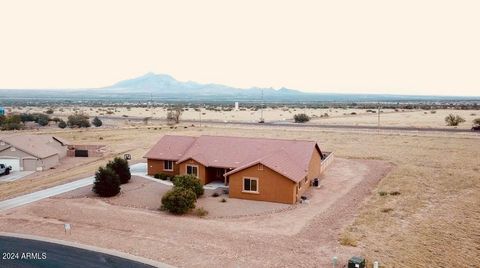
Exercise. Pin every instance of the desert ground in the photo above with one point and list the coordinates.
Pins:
(406, 200)
(336, 116)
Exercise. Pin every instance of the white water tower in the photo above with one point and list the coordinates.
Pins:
(236, 106)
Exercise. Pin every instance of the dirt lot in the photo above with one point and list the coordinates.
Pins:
(434, 218)
(273, 235)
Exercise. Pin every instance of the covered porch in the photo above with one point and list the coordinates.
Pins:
(214, 176)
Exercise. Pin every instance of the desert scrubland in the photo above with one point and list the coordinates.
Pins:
(334, 116)
(414, 202)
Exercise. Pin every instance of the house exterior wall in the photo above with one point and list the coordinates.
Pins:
(272, 187)
(314, 171)
(201, 169)
(29, 162)
(156, 166)
(49, 162)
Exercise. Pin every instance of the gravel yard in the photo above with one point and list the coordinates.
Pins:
(237, 233)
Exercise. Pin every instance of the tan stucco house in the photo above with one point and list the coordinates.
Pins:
(32, 152)
(272, 170)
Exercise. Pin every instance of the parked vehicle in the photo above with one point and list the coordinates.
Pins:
(476, 128)
(5, 170)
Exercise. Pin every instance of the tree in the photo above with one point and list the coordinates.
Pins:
(189, 182)
(301, 118)
(42, 121)
(78, 120)
(121, 168)
(97, 122)
(178, 200)
(12, 122)
(62, 124)
(454, 120)
(173, 116)
(106, 182)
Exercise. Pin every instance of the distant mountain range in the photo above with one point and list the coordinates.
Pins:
(162, 87)
(165, 85)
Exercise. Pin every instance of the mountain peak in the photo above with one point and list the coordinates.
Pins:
(165, 84)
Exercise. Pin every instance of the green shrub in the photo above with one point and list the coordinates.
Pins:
(223, 200)
(454, 120)
(161, 176)
(382, 193)
(178, 200)
(62, 124)
(78, 120)
(106, 182)
(97, 122)
(394, 193)
(301, 118)
(121, 168)
(215, 194)
(189, 182)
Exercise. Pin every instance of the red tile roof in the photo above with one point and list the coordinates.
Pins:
(170, 147)
(290, 158)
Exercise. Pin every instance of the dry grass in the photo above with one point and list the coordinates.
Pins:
(434, 219)
(346, 239)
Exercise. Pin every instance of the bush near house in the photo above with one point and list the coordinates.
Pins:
(301, 118)
(178, 200)
(107, 182)
(121, 168)
(97, 122)
(161, 176)
(189, 182)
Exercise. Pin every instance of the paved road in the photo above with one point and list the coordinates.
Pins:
(52, 255)
(140, 168)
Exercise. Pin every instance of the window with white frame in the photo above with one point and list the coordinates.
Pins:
(168, 165)
(192, 170)
(250, 185)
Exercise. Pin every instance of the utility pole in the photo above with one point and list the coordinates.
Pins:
(261, 111)
(200, 114)
(378, 112)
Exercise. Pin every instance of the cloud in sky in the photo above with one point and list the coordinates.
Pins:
(398, 47)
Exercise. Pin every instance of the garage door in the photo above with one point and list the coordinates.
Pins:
(14, 163)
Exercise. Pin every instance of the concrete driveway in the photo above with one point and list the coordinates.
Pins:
(136, 169)
(15, 175)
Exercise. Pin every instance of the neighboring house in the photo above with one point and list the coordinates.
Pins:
(253, 168)
(32, 152)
